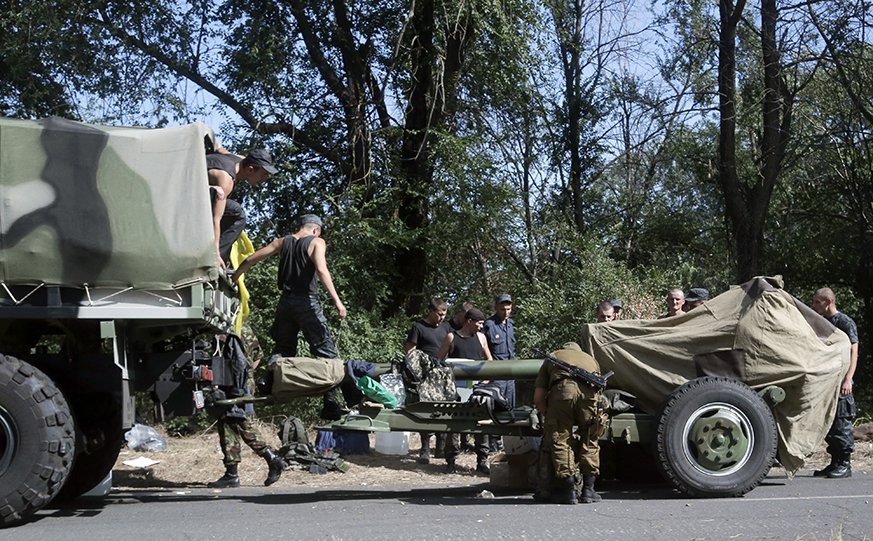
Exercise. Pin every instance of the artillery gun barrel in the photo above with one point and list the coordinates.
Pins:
(465, 369)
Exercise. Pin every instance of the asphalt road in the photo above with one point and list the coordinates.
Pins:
(802, 508)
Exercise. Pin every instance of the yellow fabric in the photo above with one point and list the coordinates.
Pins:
(240, 250)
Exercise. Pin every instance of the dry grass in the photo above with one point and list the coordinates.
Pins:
(193, 461)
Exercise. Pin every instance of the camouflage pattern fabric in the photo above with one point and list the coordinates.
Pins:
(254, 355)
(435, 383)
(230, 431)
(571, 404)
(104, 206)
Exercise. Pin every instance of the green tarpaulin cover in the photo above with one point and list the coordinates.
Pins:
(755, 332)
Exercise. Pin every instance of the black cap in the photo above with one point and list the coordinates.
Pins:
(503, 297)
(616, 303)
(311, 219)
(262, 159)
(475, 314)
(697, 294)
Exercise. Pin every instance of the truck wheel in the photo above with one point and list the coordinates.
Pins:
(36, 440)
(98, 425)
(715, 438)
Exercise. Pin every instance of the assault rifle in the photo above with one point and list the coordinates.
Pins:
(589, 378)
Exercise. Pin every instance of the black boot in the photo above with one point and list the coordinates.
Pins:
(450, 465)
(843, 469)
(331, 410)
(276, 465)
(565, 491)
(482, 466)
(827, 469)
(588, 493)
(424, 455)
(230, 479)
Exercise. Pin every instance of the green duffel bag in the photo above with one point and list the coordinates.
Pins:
(294, 377)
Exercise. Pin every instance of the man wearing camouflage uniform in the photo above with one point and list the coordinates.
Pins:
(566, 402)
(840, 439)
(234, 425)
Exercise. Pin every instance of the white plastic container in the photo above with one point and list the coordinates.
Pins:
(392, 443)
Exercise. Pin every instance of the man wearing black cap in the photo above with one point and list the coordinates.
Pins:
(616, 309)
(224, 170)
(302, 260)
(467, 343)
(696, 296)
(500, 332)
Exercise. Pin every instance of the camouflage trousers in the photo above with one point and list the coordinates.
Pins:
(570, 405)
(230, 431)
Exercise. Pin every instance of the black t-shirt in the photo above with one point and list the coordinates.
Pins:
(224, 162)
(426, 337)
(845, 324)
(467, 347)
(296, 268)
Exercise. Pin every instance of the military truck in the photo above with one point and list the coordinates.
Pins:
(108, 279)
(107, 273)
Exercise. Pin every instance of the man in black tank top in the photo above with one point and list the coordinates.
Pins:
(302, 260)
(467, 343)
(224, 170)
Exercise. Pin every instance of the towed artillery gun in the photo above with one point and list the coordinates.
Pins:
(108, 273)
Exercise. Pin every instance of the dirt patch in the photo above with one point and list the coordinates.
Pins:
(194, 461)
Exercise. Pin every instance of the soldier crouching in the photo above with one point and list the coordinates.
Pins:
(566, 402)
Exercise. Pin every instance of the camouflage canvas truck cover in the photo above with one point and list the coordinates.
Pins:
(107, 273)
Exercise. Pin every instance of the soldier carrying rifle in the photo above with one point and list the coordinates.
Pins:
(568, 394)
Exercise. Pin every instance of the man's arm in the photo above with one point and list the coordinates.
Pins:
(222, 180)
(846, 387)
(261, 254)
(445, 347)
(485, 349)
(540, 399)
(318, 255)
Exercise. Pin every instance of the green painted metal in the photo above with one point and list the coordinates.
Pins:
(631, 428)
(458, 417)
(772, 394)
(719, 438)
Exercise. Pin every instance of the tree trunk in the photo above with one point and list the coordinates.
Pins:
(747, 201)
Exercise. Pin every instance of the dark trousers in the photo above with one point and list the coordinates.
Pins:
(297, 313)
(840, 439)
(233, 221)
(453, 446)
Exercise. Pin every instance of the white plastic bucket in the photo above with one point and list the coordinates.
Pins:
(392, 443)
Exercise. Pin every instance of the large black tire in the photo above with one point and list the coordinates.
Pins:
(98, 425)
(37, 440)
(715, 438)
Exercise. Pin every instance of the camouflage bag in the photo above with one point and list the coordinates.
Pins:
(432, 381)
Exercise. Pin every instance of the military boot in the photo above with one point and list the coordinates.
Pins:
(588, 493)
(827, 469)
(424, 455)
(276, 465)
(230, 479)
(450, 465)
(331, 410)
(565, 491)
(482, 466)
(843, 469)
